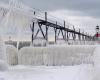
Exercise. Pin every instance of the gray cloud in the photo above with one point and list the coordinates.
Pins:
(83, 8)
(78, 8)
(88, 7)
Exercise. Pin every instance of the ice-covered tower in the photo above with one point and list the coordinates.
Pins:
(3, 57)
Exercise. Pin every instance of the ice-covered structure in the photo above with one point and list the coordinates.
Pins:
(31, 56)
(3, 57)
(56, 56)
(12, 55)
(96, 67)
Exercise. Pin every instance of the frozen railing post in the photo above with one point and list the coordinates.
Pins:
(32, 29)
(65, 31)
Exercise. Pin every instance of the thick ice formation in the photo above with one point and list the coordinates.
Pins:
(3, 65)
(56, 56)
(30, 56)
(3, 58)
(2, 50)
(12, 55)
(96, 59)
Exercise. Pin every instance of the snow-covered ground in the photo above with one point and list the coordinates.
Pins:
(81, 72)
(75, 72)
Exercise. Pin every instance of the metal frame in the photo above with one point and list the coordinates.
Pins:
(65, 32)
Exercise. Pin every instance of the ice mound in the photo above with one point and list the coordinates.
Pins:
(2, 50)
(3, 57)
(96, 59)
(12, 55)
(3, 65)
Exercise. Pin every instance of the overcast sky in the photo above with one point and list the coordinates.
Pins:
(83, 13)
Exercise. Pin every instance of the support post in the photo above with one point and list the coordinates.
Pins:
(32, 29)
(46, 35)
(65, 30)
(67, 35)
(79, 35)
(55, 29)
(40, 26)
(74, 36)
